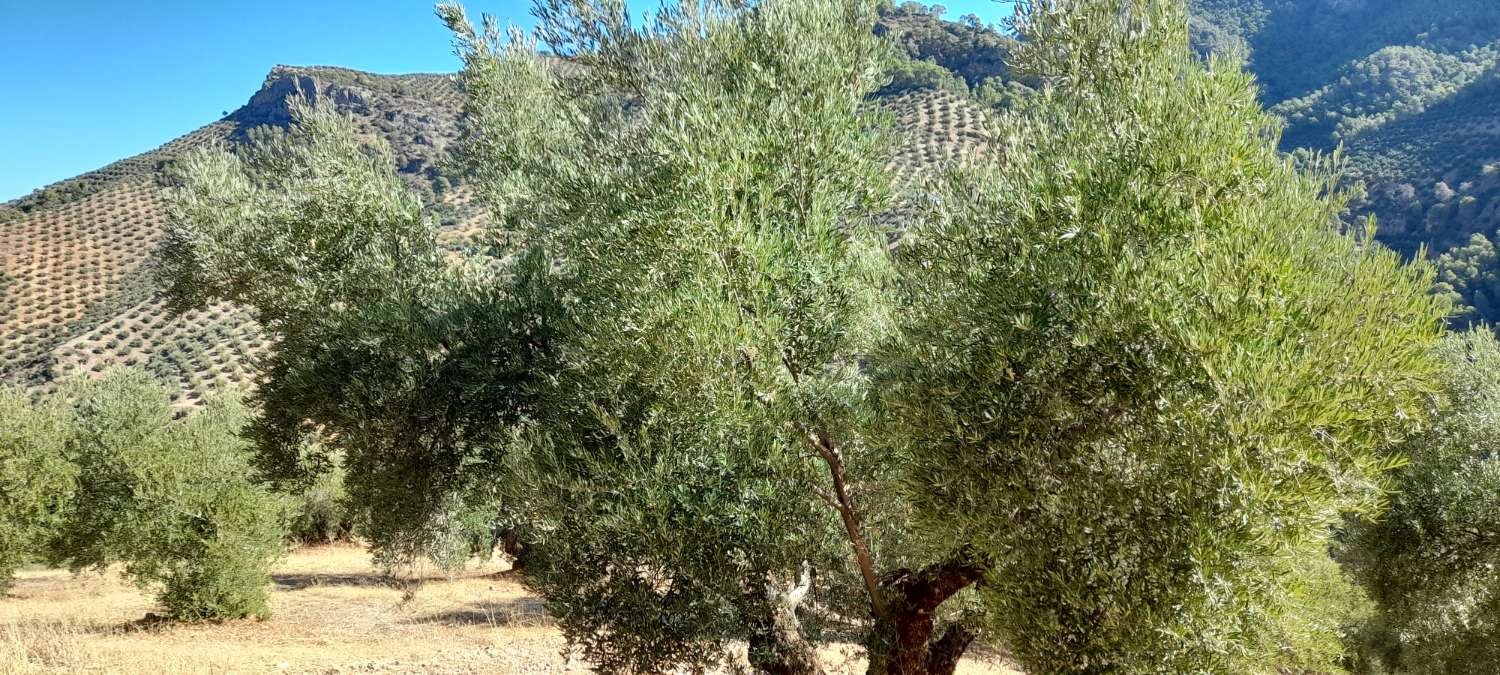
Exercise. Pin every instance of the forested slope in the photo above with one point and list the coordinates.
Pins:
(1411, 89)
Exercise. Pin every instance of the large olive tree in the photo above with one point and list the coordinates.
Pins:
(1141, 369)
(710, 185)
(1120, 377)
(402, 359)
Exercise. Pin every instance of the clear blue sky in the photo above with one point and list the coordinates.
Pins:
(87, 82)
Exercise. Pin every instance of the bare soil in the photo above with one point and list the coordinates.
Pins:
(333, 613)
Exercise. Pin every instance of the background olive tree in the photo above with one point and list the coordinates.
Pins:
(1140, 368)
(393, 359)
(172, 499)
(1430, 561)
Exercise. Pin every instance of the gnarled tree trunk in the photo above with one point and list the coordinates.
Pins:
(902, 642)
(776, 643)
(513, 546)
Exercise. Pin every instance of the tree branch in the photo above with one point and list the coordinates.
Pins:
(831, 456)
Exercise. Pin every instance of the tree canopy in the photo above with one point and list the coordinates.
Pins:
(1099, 391)
(1429, 562)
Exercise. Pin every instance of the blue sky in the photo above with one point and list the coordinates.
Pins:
(88, 82)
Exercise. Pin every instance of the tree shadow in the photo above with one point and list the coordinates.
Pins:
(298, 582)
(508, 612)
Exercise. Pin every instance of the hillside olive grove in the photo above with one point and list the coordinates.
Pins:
(1123, 390)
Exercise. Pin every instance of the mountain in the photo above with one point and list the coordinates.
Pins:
(1411, 89)
(78, 294)
(77, 289)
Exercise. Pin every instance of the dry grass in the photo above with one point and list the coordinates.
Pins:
(333, 613)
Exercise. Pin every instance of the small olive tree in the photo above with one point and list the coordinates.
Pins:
(1432, 561)
(172, 499)
(36, 480)
(1140, 371)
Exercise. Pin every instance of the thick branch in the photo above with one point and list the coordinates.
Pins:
(829, 452)
(943, 655)
(902, 642)
(776, 643)
(932, 585)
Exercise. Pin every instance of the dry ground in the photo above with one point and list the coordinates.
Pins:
(333, 613)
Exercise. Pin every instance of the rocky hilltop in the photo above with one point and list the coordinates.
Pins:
(77, 289)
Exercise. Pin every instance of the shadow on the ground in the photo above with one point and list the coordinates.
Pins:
(508, 612)
(297, 582)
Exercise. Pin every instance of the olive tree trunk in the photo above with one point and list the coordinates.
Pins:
(776, 643)
(902, 640)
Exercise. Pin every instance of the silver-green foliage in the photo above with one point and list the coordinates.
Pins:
(175, 500)
(403, 359)
(1432, 562)
(709, 185)
(1138, 364)
(322, 512)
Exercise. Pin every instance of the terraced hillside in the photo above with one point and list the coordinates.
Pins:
(78, 293)
(77, 287)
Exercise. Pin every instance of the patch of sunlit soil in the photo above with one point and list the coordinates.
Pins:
(333, 612)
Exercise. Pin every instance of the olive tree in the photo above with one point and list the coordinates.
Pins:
(391, 354)
(172, 499)
(1140, 369)
(1430, 561)
(710, 184)
(36, 479)
(1106, 399)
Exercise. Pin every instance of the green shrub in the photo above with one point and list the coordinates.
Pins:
(172, 499)
(912, 75)
(35, 480)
